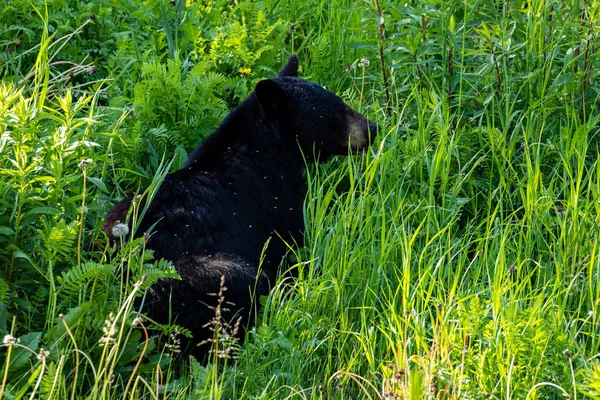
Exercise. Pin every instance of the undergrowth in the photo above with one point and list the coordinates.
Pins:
(458, 258)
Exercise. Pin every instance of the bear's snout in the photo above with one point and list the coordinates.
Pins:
(372, 130)
(361, 132)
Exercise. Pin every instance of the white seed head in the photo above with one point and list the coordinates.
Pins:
(43, 354)
(120, 230)
(9, 340)
(109, 330)
(85, 162)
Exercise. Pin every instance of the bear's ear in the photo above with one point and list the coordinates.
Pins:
(290, 68)
(271, 96)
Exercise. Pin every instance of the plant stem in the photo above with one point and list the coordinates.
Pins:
(81, 215)
(384, 74)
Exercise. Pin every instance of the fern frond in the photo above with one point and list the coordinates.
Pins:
(158, 136)
(58, 238)
(162, 269)
(80, 275)
(48, 379)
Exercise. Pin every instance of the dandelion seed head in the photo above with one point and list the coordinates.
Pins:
(120, 230)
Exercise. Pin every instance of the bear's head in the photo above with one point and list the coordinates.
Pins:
(318, 120)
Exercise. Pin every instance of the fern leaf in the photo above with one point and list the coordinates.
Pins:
(80, 275)
(161, 269)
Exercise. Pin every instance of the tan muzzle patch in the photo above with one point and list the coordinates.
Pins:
(357, 136)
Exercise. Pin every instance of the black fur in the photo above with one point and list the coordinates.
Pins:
(243, 186)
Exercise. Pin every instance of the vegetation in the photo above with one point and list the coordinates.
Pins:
(457, 259)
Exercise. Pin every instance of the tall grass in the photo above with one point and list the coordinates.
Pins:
(458, 258)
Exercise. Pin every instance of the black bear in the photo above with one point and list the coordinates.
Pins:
(237, 204)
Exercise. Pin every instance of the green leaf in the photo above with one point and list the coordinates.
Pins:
(29, 382)
(4, 291)
(79, 275)
(20, 254)
(6, 231)
(71, 318)
(98, 183)
(167, 29)
(41, 210)
(360, 45)
(20, 355)
(43, 179)
(3, 319)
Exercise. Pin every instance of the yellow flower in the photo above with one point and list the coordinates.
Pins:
(245, 71)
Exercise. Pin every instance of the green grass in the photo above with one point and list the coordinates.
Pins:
(458, 258)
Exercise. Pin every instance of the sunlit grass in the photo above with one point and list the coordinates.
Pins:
(457, 258)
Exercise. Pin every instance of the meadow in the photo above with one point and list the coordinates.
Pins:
(457, 259)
